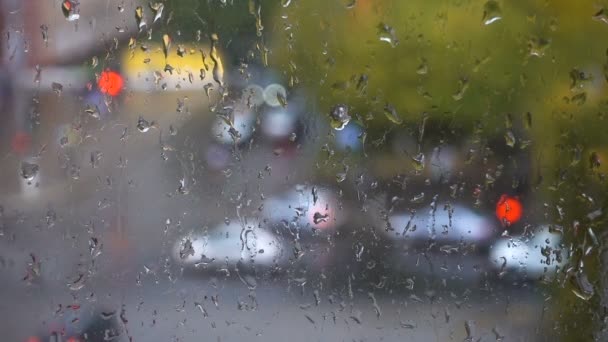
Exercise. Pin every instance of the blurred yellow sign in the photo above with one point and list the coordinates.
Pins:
(185, 67)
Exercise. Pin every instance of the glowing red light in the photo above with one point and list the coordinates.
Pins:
(67, 5)
(509, 210)
(73, 339)
(110, 82)
(21, 142)
(34, 339)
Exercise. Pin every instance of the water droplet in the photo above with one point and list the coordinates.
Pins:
(106, 315)
(579, 99)
(391, 114)
(51, 217)
(257, 14)
(172, 130)
(362, 83)
(387, 34)
(33, 269)
(423, 68)
(537, 46)
(594, 160)
(208, 88)
(218, 68)
(275, 95)
(181, 105)
(182, 188)
(409, 284)
(78, 283)
(579, 79)
(375, 304)
(166, 44)
(601, 15)
(74, 171)
(320, 218)
(45, 34)
(202, 309)
(143, 125)
(418, 162)
(94, 61)
(246, 279)
(186, 249)
(497, 335)
(409, 324)
(469, 327)
(418, 198)
(510, 139)
(356, 316)
(463, 85)
(583, 289)
(139, 18)
(181, 51)
(95, 247)
(528, 120)
(57, 88)
(157, 8)
(339, 117)
(281, 99)
(491, 12)
(70, 10)
(29, 171)
(215, 301)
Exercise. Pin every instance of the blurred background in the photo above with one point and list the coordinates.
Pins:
(311, 170)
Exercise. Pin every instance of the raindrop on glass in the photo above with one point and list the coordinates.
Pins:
(29, 171)
(491, 12)
(339, 117)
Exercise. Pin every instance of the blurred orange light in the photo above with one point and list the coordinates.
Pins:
(509, 210)
(110, 82)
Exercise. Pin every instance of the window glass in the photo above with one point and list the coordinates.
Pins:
(303, 170)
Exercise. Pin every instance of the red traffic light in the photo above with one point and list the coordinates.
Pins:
(509, 210)
(110, 82)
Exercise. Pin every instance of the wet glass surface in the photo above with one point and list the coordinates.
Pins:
(303, 170)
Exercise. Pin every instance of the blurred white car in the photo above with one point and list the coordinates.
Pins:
(534, 255)
(309, 207)
(444, 224)
(227, 244)
(280, 232)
